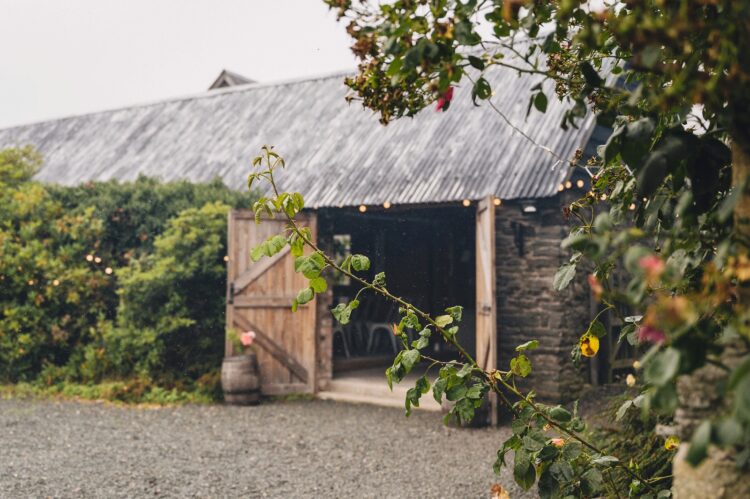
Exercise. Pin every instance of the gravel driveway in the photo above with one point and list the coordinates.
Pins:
(282, 449)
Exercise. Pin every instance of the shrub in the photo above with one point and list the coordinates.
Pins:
(51, 297)
(171, 312)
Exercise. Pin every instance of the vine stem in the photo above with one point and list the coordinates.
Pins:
(490, 377)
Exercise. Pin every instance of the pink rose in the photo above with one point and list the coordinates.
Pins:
(247, 338)
(444, 101)
(652, 264)
(649, 334)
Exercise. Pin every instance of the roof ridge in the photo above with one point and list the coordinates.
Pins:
(198, 95)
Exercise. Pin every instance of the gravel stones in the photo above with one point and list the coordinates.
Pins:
(281, 449)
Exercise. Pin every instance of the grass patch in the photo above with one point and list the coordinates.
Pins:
(123, 392)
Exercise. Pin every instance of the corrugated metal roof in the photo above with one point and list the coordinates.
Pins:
(337, 154)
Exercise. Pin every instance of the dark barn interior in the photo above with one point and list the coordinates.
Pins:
(428, 256)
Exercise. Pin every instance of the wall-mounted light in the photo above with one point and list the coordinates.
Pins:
(528, 208)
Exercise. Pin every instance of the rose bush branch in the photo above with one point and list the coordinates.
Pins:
(465, 384)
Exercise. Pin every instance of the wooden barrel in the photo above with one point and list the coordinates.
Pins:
(239, 380)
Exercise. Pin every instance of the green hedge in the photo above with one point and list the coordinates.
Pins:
(111, 281)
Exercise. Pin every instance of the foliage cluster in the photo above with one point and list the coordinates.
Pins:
(669, 205)
(111, 283)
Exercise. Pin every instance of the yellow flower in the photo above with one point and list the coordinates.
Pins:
(671, 443)
(589, 345)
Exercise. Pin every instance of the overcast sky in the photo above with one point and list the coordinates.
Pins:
(63, 57)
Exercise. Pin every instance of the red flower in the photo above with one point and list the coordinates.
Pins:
(596, 286)
(445, 100)
(649, 334)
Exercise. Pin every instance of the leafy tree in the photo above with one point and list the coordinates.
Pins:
(669, 203)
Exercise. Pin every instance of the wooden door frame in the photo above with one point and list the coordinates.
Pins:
(486, 295)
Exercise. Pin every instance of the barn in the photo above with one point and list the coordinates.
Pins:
(456, 207)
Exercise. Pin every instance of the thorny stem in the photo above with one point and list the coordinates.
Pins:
(490, 377)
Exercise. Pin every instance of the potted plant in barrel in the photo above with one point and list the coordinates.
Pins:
(239, 373)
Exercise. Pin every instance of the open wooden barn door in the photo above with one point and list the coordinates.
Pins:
(259, 298)
(486, 307)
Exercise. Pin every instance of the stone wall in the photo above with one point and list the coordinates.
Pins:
(528, 254)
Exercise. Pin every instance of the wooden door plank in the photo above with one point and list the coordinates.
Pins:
(266, 343)
(258, 269)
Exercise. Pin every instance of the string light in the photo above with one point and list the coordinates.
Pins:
(632, 206)
(97, 260)
(568, 184)
(560, 188)
(497, 201)
(226, 258)
(89, 258)
(466, 203)
(55, 282)
(108, 270)
(31, 282)
(387, 205)
(603, 197)
(579, 183)
(362, 208)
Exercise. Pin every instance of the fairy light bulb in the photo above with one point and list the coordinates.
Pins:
(108, 270)
(568, 184)
(497, 201)
(226, 258)
(55, 282)
(579, 183)
(560, 188)
(362, 208)
(387, 205)
(97, 260)
(466, 203)
(89, 258)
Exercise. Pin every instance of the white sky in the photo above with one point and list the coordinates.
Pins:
(63, 57)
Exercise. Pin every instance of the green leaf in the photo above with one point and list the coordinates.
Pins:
(319, 285)
(305, 295)
(409, 359)
(455, 312)
(524, 472)
(623, 410)
(379, 279)
(360, 263)
(438, 388)
(481, 89)
(310, 266)
(529, 345)
(699, 444)
(443, 320)
(590, 75)
(476, 62)
(591, 481)
(531, 444)
(560, 414)
(520, 366)
(540, 102)
(564, 276)
(605, 461)
(597, 329)
(662, 367)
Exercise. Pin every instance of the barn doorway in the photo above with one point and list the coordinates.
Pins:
(429, 257)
